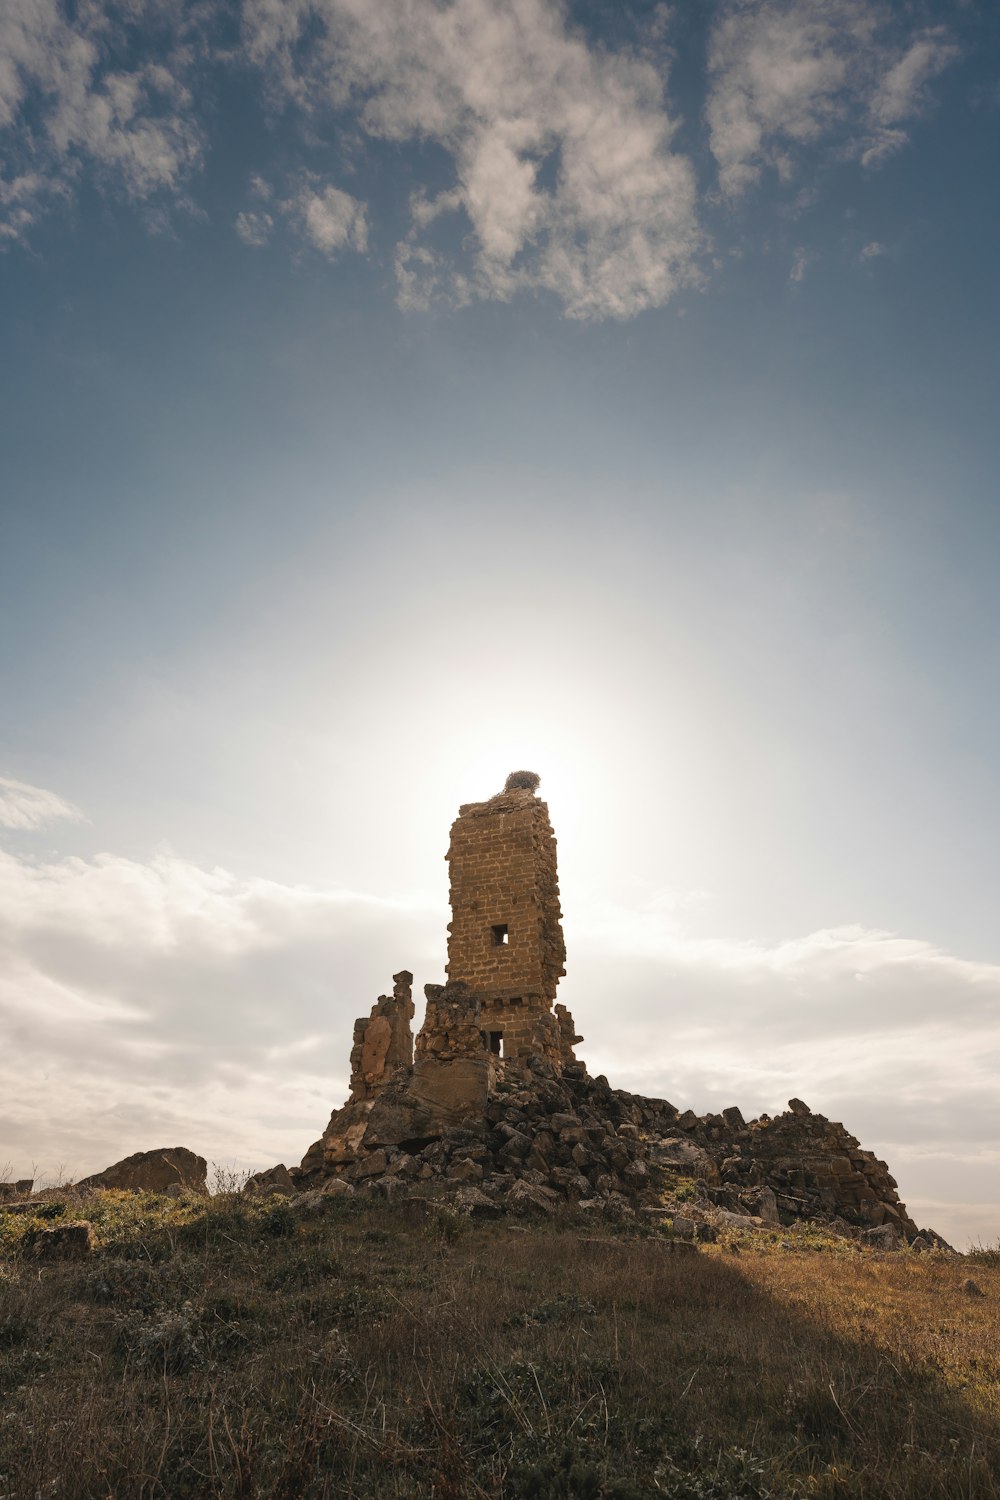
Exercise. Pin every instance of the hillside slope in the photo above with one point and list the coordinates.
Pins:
(338, 1346)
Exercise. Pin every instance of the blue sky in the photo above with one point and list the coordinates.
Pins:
(392, 395)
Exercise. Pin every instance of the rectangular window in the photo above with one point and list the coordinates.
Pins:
(496, 1043)
(500, 939)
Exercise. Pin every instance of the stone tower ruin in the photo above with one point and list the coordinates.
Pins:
(505, 938)
(489, 1101)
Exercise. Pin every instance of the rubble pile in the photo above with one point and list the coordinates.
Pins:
(529, 1135)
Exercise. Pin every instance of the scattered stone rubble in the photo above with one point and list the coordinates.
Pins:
(543, 1138)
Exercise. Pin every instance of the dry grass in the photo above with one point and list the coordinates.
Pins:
(236, 1349)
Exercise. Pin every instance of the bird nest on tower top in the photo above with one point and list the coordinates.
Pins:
(526, 781)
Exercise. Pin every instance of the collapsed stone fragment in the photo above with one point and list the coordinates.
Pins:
(154, 1172)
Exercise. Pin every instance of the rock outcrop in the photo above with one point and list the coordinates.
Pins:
(274, 1180)
(69, 1241)
(20, 1189)
(154, 1172)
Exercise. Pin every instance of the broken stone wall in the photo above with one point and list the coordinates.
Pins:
(383, 1041)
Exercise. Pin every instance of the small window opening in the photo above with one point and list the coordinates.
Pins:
(496, 1043)
(500, 937)
(515, 1000)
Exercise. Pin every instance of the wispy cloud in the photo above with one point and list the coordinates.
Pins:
(800, 264)
(329, 218)
(254, 227)
(556, 167)
(564, 169)
(326, 217)
(892, 1034)
(26, 806)
(789, 74)
(68, 97)
(158, 1000)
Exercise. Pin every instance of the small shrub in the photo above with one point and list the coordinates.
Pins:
(563, 1308)
(169, 1345)
(118, 1282)
(736, 1475)
(447, 1225)
(279, 1221)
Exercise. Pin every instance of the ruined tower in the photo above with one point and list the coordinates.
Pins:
(505, 937)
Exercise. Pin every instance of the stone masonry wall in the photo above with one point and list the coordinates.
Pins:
(452, 1023)
(505, 937)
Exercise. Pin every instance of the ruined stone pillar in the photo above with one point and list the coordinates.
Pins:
(383, 1041)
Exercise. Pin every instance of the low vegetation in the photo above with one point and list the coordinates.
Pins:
(319, 1347)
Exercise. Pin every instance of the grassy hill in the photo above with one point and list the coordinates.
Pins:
(321, 1347)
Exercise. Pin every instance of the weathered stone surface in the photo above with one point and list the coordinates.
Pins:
(884, 1237)
(336, 1187)
(153, 1172)
(274, 1180)
(738, 1221)
(394, 1117)
(383, 1042)
(373, 1164)
(685, 1157)
(72, 1241)
(20, 1189)
(451, 1091)
(452, 1024)
(475, 1204)
(526, 1198)
(767, 1206)
(340, 1141)
(506, 941)
(465, 1171)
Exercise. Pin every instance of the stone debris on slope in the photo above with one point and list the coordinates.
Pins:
(528, 1136)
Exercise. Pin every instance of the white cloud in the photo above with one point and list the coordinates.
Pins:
(800, 263)
(254, 228)
(893, 1035)
(902, 91)
(562, 156)
(790, 74)
(331, 219)
(872, 250)
(157, 1002)
(25, 806)
(64, 103)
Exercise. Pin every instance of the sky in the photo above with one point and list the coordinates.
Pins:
(395, 396)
